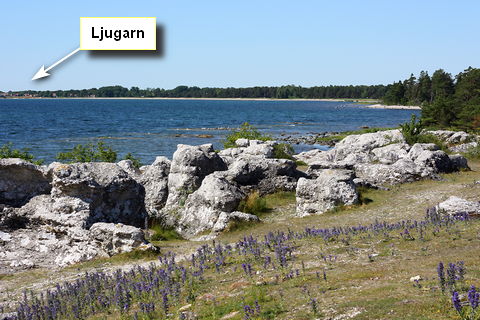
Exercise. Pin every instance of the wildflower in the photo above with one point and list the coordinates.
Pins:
(456, 301)
(473, 297)
(441, 275)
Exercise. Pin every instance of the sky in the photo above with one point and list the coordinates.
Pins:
(243, 43)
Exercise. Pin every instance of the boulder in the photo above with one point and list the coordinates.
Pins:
(311, 156)
(418, 148)
(203, 207)
(365, 143)
(226, 218)
(459, 137)
(127, 166)
(391, 153)
(112, 194)
(378, 175)
(118, 238)
(189, 166)
(20, 181)
(437, 161)
(263, 174)
(454, 205)
(63, 211)
(464, 147)
(459, 162)
(155, 181)
(330, 189)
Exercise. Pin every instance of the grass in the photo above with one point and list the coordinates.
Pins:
(367, 274)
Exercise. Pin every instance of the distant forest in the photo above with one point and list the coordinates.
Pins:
(283, 92)
(446, 101)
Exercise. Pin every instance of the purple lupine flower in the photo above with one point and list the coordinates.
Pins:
(257, 307)
(441, 275)
(460, 270)
(456, 301)
(451, 275)
(473, 297)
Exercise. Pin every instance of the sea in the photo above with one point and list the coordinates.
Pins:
(148, 128)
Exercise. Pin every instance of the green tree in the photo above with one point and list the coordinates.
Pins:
(424, 92)
(442, 84)
(395, 94)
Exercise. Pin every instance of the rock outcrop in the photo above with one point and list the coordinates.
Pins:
(331, 188)
(154, 179)
(189, 166)
(20, 181)
(455, 205)
(112, 194)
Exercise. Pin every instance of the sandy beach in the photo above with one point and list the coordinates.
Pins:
(382, 106)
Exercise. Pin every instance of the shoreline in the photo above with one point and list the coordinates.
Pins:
(363, 101)
(396, 107)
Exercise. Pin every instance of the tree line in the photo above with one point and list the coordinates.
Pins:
(282, 92)
(446, 101)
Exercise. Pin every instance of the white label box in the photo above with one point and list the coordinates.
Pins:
(118, 33)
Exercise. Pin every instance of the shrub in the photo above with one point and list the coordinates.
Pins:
(412, 130)
(430, 138)
(253, 204)
(162, 232)
(135, 161)
(283, 151)
(7, 151)
(95, 153)
(246, 131)
(89, 153)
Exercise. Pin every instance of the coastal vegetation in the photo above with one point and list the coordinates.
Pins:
(90, 152)
(250, 132)
(7, 151)
(447, 102)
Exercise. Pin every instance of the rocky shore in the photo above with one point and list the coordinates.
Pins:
(60, 214)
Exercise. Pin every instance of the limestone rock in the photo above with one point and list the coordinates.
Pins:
(203, 207)
(189, 166)
(20, 181)
(63, 211)
(117, 238)
(391, 153)
(454, 205)
(330, 189)
(263, 174)
(225, 218)
(366, 142)
(155, 181)
(113, 195)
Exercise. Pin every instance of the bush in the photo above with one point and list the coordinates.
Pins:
(163, 233)
(95, 153)
(135, 161)
(430, 138)
(89, 153)
(253, 204)
(246, 131)
(283, 151)
(7, 151)
(412, 130)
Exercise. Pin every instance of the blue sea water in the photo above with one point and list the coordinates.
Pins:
(149, 128)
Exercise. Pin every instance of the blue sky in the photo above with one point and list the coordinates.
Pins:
(244, 43)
